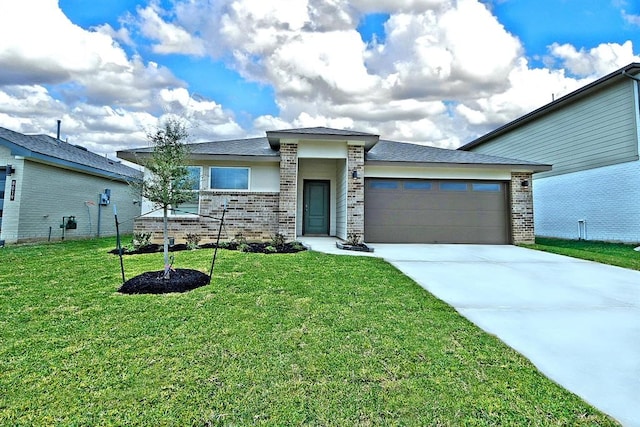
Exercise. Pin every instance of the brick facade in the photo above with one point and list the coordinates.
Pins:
(255, 215)
(522, 226)
(355, 191)
(288, 190)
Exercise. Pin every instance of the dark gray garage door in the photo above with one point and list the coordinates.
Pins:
(435, 211)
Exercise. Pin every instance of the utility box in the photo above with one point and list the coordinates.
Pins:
(105, 198)
(69, 223)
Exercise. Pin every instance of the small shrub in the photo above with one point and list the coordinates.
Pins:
(270, 249)
(278, 241)
(239, 239)
(297, 246)
(140, 240)
(192, 240)
(244, 247)
(353, 239)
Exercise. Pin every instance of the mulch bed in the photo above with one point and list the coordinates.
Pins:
(287, 248)
(181, 279)
(152, 282)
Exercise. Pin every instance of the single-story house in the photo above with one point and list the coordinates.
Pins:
(591, 137)
(331, 182)
(50, 189)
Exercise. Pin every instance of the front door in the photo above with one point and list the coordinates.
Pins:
(316, 208)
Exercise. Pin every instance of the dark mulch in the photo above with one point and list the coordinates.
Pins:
(287, 248)
(361, 247)
(151, 282)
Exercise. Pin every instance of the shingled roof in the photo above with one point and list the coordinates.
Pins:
(252, 147)
(403, 152)
(51, 150)
(377, 150)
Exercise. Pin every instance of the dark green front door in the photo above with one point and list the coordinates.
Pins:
(316, 207)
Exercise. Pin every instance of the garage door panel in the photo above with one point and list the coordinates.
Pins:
(417, 218)
(440, 234)
(396, 212)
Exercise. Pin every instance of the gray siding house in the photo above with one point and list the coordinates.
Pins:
(591, 137)
(332, 182)
(50, 189)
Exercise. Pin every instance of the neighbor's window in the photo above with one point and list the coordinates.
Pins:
(191, 206)
(228, 178)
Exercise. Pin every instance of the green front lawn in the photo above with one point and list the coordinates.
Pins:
(619, 254)
(280, 339)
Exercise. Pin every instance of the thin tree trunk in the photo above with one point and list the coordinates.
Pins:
(165, 235)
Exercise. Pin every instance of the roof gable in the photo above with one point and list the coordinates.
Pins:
(322, 133)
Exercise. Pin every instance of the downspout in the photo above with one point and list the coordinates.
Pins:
(636, 91)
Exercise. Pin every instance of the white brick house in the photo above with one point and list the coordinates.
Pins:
(321, 181)
(46, 183)
(592, 138)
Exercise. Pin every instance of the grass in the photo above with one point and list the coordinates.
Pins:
(282, 339)
(618, 254)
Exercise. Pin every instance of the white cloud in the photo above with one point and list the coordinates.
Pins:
(630, 18)
(171, 38)
(105, 98)
(595, 62)
(445, 72)
(528, 89)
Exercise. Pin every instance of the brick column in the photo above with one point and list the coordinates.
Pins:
(288, 190)
(522, 228)
(355, 191)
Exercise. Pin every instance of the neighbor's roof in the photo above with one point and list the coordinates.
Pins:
(384, 151)
(403, 152)
(51, 150)
(626, 72)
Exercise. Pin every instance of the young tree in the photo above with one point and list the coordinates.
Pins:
(168, 183)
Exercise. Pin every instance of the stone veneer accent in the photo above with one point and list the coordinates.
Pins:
(355, 191)
(288, 190)
(522, 228)
(255, 215)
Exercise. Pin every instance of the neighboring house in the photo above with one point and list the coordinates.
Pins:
(330, 182)
(591, 137)
(46, 183)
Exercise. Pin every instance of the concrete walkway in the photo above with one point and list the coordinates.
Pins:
(577, 321)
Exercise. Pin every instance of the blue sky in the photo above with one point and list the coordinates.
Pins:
(437, 72)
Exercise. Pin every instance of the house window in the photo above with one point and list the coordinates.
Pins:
(191, 206)
(453, 186)
(486, 187)
(228, 178)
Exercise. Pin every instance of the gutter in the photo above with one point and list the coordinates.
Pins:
(532, 167)
(631, 76)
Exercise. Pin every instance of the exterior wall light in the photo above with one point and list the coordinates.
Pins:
(525, 183)
(354, 174)
(10, 170)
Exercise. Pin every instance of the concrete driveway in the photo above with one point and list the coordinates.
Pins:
(577, 321)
